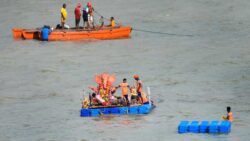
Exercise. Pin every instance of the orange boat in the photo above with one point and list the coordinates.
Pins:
(73, 34)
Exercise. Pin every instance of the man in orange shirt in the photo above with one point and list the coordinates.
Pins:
(124, 87)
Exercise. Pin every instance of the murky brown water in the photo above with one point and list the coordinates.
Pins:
(191, 77)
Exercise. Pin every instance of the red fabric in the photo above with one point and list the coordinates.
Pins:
(78, 12)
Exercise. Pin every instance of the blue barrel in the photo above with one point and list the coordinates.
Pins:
(85, 112)
(123, 110)
(213, 127)
(194, 127)
(183, 127)
(225, 127)
(45, 33)
(115, 110)
(94, 112)
(203, 127)
(133, 110)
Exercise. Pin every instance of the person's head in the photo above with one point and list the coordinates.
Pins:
(79, 5)
(111, 18)
(93, 94)
(89, 4)
(131, 88)
(228, 109)
(124, 80)
(136, 77)
(64, 5)
(101, 17)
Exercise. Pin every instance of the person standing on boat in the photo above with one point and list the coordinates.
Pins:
(63, 15)
(90, 14)
(138, 87)
(77, 15)
(85, 17)
(124, 87)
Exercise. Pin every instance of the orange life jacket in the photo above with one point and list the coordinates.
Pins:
(124, 87)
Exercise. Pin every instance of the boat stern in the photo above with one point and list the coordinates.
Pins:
(17, 33)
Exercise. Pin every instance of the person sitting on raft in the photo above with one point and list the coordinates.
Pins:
(133, 98)
(94, 100)
(63, 15)
(101, 21)
(124, 87)
(144, 98)
(229, 115)
(112, 98)
(112, 22)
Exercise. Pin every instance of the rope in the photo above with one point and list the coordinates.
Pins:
(142, 30)
(164, 33)
(101, 15)
(105, 18)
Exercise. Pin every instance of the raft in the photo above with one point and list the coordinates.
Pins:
(205, 127)
(131, 110)
(74, 34)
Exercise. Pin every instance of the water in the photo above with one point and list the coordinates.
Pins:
(191, 77)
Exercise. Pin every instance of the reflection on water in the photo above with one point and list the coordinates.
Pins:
(119, 119)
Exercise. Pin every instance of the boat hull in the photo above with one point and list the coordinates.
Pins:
(132, 110)
(64, 35)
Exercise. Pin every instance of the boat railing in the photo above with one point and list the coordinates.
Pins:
(149, 93)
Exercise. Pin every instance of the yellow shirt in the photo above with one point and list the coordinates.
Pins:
(63, 15)
(113, 23)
